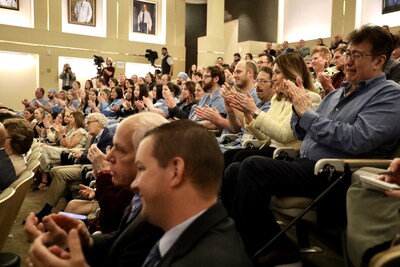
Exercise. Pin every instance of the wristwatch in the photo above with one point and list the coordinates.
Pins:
(256, 113)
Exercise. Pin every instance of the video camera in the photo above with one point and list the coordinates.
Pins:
(151, 56)
(98, 60)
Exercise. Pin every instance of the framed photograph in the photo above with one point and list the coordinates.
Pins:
(145, 17)
(82, 12)
(389, 6)
(9, 4)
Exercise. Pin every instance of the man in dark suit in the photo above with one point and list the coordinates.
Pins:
(179, 189)
(286, 49)
(8, 175)
(62, 175)
(128, 246)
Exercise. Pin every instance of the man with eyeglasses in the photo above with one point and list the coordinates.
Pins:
(358, 120)
(213, 79)
(63, 175)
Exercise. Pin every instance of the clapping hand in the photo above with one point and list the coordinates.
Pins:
(298, 96)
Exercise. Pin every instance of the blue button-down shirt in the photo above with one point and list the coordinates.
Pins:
(365, 124)
(216, 101)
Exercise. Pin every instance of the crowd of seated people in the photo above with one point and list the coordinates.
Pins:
(278, 105)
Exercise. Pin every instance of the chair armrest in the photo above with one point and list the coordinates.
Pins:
(87, 166)
(227, 138)
(252, 143)
(354, 164)
(286, 152)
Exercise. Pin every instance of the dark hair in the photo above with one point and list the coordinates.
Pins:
(41, 90)
(115, 81)
(118, 90)
(217, 72)
(79, 119)
(190, 86)
(130, 82)
(238, 55)
(31, 111)
(266, 70)
(84, 102)
(269, 57)
(90, 82)
(21, 133)
(250, 55)
(159, 88)
(103, 81)
(197, 73)
(175, 89)
(379, 38)
(143, 91)
(179, 139)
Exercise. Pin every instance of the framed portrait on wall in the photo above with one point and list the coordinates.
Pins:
(145, 17)
(9, 4)
(389, 6)
(82, 12)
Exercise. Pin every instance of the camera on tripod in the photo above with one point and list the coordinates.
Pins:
(151, 56)
(97, 61)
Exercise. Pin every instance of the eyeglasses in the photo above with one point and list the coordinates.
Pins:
(355, 55)
(262, 62)
(205, 76)
(263, 82)
(89, 122)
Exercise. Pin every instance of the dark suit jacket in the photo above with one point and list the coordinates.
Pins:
(211, 240)
(128, 247)
(104, 141)
(8, 175)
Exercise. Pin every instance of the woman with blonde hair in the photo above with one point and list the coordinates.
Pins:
(320, 58)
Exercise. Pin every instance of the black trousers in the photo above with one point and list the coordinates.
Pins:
(240, 154)
(247, 189)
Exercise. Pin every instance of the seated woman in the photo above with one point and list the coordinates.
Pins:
(76, 137)
(182, 109)
(373, 218)
(160, 107)
(274, 126)
(84, 105)
(150, 80)
(199, 92)
(50, 123)
(129, 107)
(30, 116)
(320, 57)
(18, 142)
(72, 102)
(110, 108)
(129, 84)
(39, 116)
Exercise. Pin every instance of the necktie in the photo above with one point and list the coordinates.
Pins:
(131, 211)
(154, 256)
(143, 16)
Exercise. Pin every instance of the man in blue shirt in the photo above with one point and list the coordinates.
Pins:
(358, 120)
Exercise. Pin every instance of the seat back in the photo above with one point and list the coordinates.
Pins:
(6, 197)
(21, 186)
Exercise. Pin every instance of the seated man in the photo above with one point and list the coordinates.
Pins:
(97, 128)
(196, 229)
(132, 242)
(354, 121)
(8, 175)
(39, 93)
(213, 79)
(371, 230)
